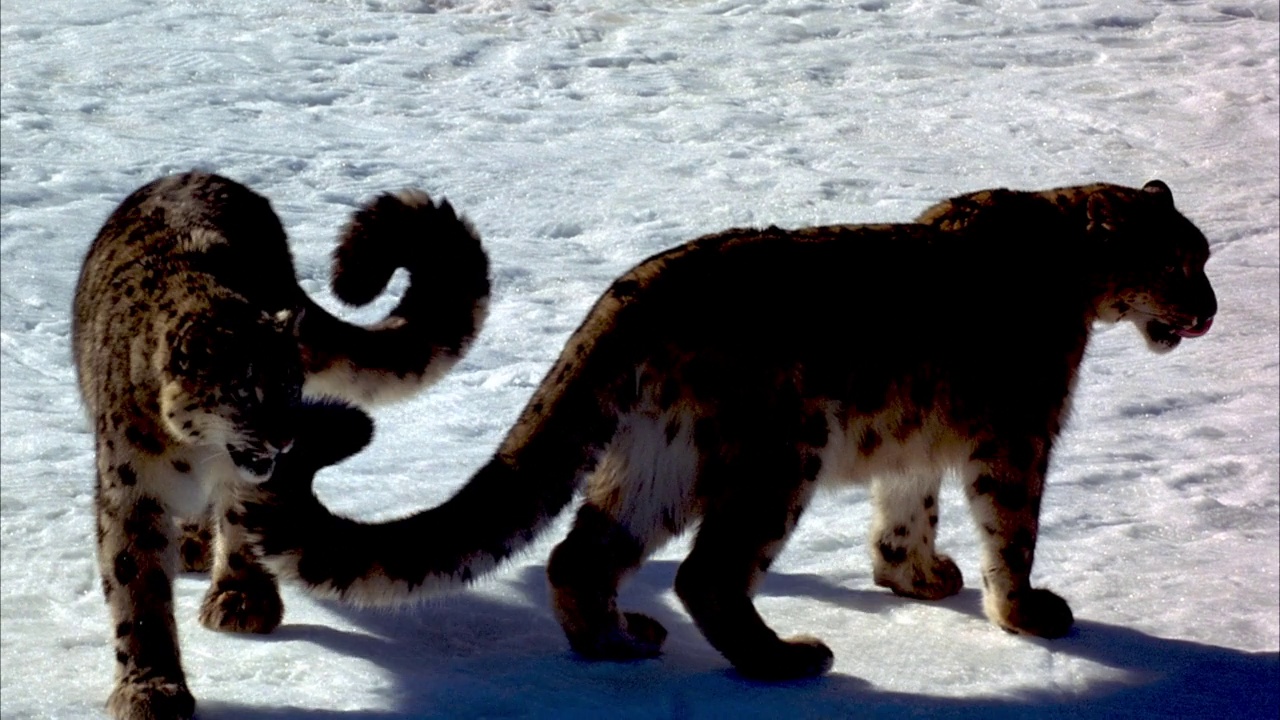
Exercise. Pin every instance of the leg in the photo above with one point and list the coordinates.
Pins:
(1004, 483)
(138, 557)
(740, 536)
(243, 596)
(584, 572)
(902, 539)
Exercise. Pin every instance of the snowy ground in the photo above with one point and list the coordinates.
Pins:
(580, 137)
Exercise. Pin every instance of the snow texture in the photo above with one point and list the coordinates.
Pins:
(581, 136)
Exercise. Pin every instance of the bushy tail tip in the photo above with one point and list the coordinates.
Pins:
(407, 229)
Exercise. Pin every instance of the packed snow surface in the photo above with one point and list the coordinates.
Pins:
(580, 137)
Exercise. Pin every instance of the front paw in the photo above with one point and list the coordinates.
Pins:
(151, 699)
(1033, 612)
(245, 604)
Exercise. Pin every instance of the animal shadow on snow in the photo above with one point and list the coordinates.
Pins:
(466, 655)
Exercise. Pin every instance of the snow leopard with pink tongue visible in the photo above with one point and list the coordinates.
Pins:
(717, 384)
(194, 345)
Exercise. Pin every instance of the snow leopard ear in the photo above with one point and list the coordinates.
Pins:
(1157, 190)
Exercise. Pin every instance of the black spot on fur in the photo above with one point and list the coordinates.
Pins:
(984, 485)
(237, 562)
(123, 629)
(148, 538)
(1012, 496)
(892, 555)
(235, 517)
(1016, 558)
(122, 657)
(147, 507)
(142, 441)
(125, 568)
(672, 430)
(158, 586)
(127, 474)
(928, 501)
(182, 466)
(933, 521)
(901, 531)
(869, 442)
(192, 550)
(908, 425)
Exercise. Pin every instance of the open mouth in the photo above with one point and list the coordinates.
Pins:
(1168, 336)
(1196, 331)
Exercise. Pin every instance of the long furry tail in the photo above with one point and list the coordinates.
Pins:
(500, 510)
(555, 443)
(435, 321)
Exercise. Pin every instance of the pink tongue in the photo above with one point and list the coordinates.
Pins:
(1195, 332)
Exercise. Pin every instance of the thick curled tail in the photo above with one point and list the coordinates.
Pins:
(435, 321)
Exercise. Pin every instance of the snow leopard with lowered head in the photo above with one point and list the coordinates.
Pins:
(194, 345)
(717, 384)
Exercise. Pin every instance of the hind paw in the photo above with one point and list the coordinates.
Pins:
(794, 659)
(941, 578)
(1034, 612)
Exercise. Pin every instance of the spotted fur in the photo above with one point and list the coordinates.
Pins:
(193, 344)
(720, 382)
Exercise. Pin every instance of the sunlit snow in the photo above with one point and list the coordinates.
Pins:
(580, 137)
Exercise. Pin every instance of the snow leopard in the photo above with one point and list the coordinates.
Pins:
(718, 384)
(194, 347)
